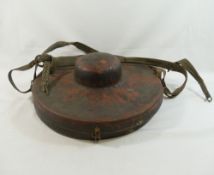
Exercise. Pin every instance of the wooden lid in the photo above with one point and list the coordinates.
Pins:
(99, 97)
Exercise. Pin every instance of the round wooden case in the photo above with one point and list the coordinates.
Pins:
(99, 97)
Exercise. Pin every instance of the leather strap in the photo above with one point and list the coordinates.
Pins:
(183, 66)
(47, 63)
(38, 59)
(78, 45)
(159, 66)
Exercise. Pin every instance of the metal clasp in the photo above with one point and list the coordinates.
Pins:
(96, 135)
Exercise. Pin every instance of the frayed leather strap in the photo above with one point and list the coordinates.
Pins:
(159, 66)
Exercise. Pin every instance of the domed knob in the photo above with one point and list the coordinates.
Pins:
(97, 69)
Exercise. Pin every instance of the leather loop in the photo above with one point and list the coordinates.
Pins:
(38, 59)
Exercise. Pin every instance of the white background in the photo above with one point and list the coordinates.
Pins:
(179, 140)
